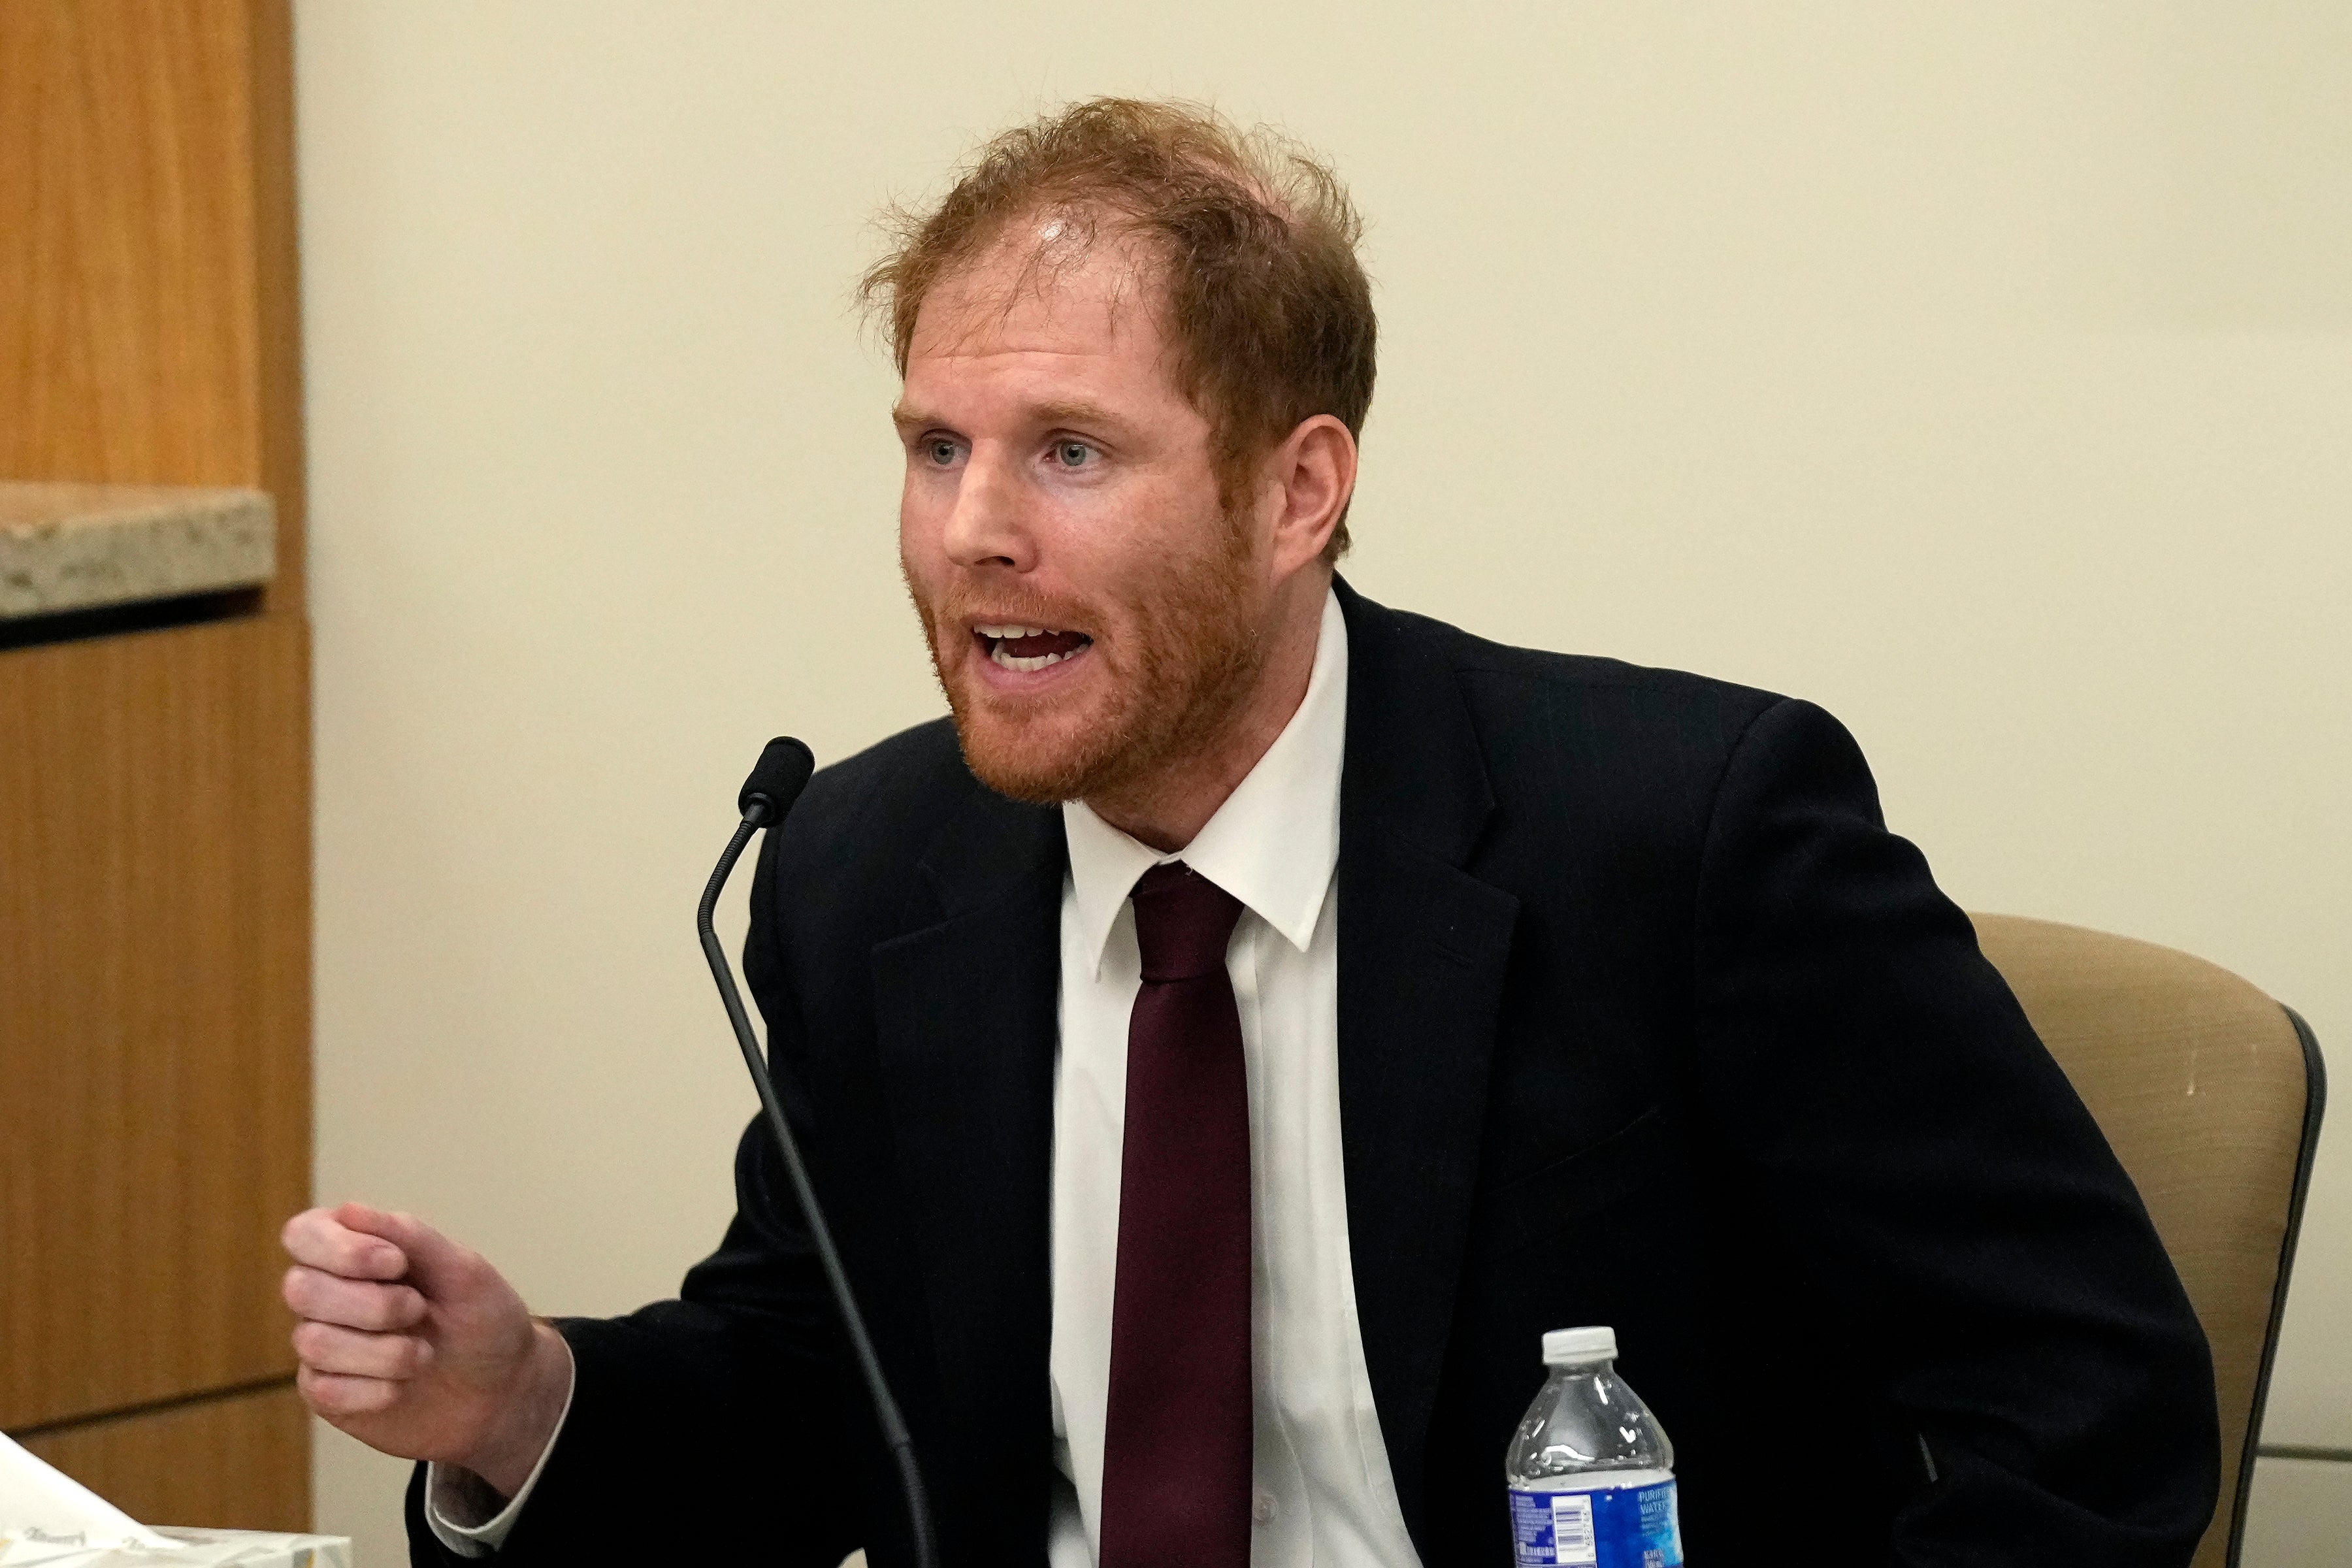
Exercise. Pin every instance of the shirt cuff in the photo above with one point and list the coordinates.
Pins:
(452, 1493)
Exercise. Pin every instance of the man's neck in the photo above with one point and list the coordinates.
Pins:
(1167, 809)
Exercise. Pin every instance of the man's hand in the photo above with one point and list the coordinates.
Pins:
(417, 1346)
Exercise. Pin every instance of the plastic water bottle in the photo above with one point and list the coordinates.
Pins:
(1592, 1474)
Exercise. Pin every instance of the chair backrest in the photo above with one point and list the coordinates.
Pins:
(2209, 1093)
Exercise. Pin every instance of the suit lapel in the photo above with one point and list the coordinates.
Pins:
(1423, 947)
(965, 1021)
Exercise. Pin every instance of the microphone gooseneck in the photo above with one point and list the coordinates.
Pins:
(775, 782)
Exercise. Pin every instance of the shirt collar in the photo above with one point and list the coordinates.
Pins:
(1273, 844)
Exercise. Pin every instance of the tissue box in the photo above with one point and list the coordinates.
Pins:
(191, 1548)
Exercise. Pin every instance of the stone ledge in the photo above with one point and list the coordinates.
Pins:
(80, 547)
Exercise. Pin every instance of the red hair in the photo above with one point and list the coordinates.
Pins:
(1262, 298)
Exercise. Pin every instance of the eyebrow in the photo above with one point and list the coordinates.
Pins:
(1076, 413)
(1057, 413)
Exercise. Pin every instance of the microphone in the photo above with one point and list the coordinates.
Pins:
(776, 781)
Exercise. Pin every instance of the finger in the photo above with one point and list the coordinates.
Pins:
(332, 1394)
(434, 1261)
(318, 1238)
(394, 1357)
(353, 1303)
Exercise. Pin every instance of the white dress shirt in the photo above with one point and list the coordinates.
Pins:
(1323, 1494)
(1320, 1471)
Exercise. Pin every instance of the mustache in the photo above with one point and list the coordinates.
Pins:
(953, 609)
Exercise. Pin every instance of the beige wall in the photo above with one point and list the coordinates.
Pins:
(1981, 372)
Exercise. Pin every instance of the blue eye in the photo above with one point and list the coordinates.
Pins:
(1072, 454)
(940, 452)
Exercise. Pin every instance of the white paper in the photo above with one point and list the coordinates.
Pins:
(48, 1519)
(36, 1500)
(184, 1549)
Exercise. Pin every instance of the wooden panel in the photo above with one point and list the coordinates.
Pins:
(242, 1462)
(148, 293)
(155, 1011)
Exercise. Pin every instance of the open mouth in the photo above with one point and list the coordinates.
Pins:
(1029, 648)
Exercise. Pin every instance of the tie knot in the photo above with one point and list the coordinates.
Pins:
(1182, 922)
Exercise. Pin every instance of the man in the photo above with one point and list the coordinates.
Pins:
(1229, 1044)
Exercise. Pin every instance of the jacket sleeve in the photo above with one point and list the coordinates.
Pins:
(1927, 1162)
(714, 1423)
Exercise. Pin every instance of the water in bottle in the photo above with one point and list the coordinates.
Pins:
(1591, 1474)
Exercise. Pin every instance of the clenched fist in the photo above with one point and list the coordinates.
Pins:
(418, 1347)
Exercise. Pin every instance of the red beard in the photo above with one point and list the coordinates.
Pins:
(1172, 675)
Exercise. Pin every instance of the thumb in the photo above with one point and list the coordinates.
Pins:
(435, 1263)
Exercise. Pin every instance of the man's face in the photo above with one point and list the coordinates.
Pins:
(1094, 614)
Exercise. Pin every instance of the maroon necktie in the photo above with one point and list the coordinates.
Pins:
(1176, 1442)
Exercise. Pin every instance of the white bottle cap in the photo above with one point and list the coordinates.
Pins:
(1574, 1347)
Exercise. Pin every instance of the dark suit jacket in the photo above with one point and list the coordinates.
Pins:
(1644, 1019)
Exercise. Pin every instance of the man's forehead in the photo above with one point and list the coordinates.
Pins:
(1039, 289)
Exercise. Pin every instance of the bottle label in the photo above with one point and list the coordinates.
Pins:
(1617, 1527)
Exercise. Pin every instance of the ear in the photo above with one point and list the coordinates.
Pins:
(1306, 482)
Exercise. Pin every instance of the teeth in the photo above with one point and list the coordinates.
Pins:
(1008, 661)
(1012, 631)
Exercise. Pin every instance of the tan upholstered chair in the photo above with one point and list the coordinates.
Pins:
(2210, 1094)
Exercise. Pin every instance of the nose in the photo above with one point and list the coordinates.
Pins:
(988, 525)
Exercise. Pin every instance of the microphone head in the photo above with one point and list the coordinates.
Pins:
(777, 780)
